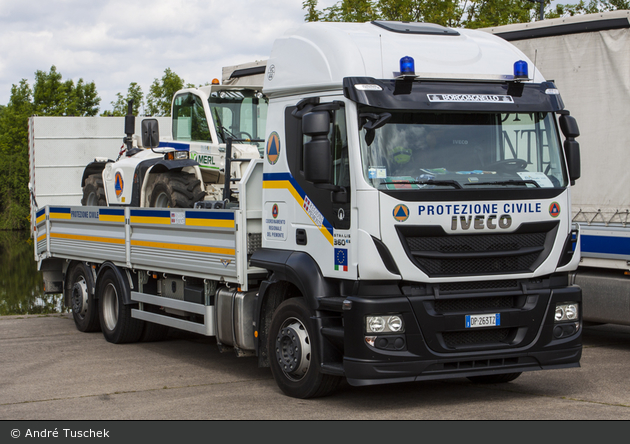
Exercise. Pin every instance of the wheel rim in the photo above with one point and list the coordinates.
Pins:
(162, 201)
(92, 200)
(293, 349)
(80, 297)
(110, 306)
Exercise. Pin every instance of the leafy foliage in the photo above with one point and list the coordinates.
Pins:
(134, 92)
(161, 93)
(594, 6)
(453, 13)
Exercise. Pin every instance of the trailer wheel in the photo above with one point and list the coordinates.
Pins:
(94, 192)
(175, 190)
(84, 305)
(494, 379)
(116, 322)
(293, 356)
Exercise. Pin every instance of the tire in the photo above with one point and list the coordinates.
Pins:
(494, 379)
(153, 332)
(116, 322)
(84, 305)
(175, 189)
(94, 192)
(297, 374)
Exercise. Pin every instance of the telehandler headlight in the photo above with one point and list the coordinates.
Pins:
(176, 155)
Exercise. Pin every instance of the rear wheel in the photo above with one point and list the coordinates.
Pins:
(84, 305)
(293, 356)
(153, 332)
(175, 190)
(116, 322)
(494, 379)
(94, 192)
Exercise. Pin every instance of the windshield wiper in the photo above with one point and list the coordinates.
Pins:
(507, 182)
(452, 183)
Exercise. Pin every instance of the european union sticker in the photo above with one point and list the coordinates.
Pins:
(341, 259)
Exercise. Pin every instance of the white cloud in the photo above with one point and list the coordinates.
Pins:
(116, 42)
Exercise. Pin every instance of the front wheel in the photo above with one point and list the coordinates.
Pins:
(293, 355)
(175, 189)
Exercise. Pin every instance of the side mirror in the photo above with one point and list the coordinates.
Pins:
(572, 151)
(570, 129)
(569, 126)
(317, 156)
(150, 133)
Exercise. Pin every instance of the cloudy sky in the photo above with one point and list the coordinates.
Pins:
(116, 42)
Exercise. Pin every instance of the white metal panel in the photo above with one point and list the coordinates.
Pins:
(61, 147)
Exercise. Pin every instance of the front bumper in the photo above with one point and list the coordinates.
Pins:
(437, 345)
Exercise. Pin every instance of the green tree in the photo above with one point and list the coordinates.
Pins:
(54, 97)
(134, 92)
(453, 13)
(161, 93)
(14, 195)
(594, 6)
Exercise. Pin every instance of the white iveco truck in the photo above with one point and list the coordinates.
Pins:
(410, 220)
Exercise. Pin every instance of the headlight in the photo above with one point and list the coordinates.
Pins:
(176, 155)
(384, 324)
(567, 311)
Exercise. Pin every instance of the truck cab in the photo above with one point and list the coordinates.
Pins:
(418, 173)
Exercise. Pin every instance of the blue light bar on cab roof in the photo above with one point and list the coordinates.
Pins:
(407, 66)
(520, 70)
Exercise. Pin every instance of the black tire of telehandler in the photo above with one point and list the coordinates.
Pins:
(494, 379)
(84, 305)
(116, 322)
(94, 191)
(293, 329)
(175, 189)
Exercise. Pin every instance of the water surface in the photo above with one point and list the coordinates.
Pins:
(21, 285)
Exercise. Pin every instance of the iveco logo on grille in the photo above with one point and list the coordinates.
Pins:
(491, 222)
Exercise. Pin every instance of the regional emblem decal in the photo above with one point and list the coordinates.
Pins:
(119, 185)
(554, 209)
(401, 213)
(273, 148)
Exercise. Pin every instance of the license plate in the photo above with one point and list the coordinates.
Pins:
(485, 320)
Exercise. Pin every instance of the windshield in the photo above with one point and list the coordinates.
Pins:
(239, 114)
(420, 150)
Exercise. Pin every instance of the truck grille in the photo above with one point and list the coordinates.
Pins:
(439, 254)
(474, 305)
(454, 339)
